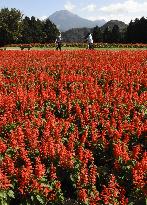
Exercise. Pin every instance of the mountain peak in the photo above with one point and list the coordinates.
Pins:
(62, 12)
(66, 20)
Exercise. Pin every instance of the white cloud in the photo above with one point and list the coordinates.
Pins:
(69, 6)
(107, 17)
(129, 6)
(43, 18)
(96, 17)
(89, 8)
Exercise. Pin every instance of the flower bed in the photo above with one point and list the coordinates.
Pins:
(72, 126)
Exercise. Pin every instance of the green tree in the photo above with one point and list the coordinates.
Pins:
(26, 36)
(107, 35)
(32, 30)
(37, 31)
(137, 31)
(97, 34)
(115, 34)
(50, 30)
(10, 25)
(143, 30)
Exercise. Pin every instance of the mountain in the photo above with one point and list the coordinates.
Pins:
(76, 34)
(122, 26)
(66, 20)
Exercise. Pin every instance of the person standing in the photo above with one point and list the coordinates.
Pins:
(58, 42)
(90, 41)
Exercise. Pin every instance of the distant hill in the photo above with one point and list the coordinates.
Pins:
(75, 34)
(78, 34)
(122, 26)
(66, 20)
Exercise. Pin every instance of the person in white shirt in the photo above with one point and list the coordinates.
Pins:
(90, 41)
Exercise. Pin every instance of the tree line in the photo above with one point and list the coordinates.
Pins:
(17, 28)
(14, 28)
(136, 32)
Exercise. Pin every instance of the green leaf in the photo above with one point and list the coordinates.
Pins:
(43, 179)
(40, 199)
(3, 203)
(131, 203)
(32, 198)
(3, 195)
(11, 194)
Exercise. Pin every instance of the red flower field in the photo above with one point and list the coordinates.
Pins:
(73, 126)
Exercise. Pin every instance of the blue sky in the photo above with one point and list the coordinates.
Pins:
(124, 10)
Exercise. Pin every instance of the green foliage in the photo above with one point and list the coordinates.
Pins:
(50, 31)
(107, 35)
(16, 29)
(37, 31)
(6, 196)
(97, 34)
(115, 34)
(137, 31)
(10, 25)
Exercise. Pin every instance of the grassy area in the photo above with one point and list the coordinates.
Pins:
(73, 48)
(43, 48)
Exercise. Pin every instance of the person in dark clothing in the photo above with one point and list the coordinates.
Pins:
(58, 42)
